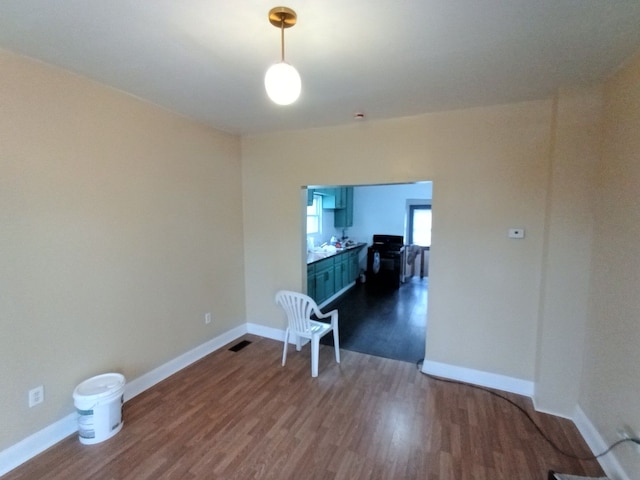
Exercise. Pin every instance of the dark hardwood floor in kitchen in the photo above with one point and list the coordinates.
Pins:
(241, 415)
(383, 322)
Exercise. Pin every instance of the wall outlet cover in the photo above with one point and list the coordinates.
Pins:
(36, 396)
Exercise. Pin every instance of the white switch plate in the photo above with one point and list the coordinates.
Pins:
(36, 396)
(207, 318)
(516, 233)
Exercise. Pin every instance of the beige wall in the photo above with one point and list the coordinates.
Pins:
(559, 308)
(611, 380)
(489, 168)
(121, 225)
(575, 150)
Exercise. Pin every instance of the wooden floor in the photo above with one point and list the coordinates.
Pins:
(240, 415)
(390, 323)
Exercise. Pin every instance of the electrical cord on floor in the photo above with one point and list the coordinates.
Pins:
(530, 418)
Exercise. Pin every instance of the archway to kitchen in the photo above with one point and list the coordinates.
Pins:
(381, 296)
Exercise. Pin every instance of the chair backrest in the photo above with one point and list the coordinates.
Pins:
(298, 308)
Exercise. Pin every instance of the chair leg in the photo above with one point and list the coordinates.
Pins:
(315, 347)
(284, 350)
(298, 343)
(336, 343)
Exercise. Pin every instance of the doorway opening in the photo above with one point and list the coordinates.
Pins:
(386, 322)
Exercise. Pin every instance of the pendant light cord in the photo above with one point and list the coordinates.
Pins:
(282, 37)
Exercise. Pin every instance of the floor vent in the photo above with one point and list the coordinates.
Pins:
(239, 346)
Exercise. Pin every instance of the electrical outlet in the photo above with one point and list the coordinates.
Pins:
(207, 318)
(36, 396)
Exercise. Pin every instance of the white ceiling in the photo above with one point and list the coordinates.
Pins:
(386, 58)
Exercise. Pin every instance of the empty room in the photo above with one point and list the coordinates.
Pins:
(157, 182)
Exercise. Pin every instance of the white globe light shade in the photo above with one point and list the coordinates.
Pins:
(282, 82)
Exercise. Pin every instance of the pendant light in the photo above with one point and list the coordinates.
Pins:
(282, 81)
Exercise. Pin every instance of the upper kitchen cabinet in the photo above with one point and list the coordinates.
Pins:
(328, 197)
(340, 195)
(343, 216)
(338, 199)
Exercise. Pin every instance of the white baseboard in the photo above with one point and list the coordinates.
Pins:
(597, 444)
(592, 437)
(34, 444)
(549, 411)
(26, 449)
(477, 377)
(272, 333)
(266, 332)
(31, 446)
(149, 379)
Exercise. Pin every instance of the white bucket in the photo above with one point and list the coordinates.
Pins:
(98, 402)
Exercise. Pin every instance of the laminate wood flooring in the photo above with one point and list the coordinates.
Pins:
(241, 415)
(383, 322)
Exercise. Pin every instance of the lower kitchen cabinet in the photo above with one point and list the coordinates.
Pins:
(354, 265)
(330, 275)
(341, 270)
(311, 280)
(324, 279)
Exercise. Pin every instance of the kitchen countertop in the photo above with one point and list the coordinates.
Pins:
(318, 255)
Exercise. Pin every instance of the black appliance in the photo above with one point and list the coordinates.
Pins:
(385, 259)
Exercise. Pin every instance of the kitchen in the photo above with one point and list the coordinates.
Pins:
(342, 272)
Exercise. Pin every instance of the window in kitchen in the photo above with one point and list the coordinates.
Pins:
(314, 216)
(420, 225)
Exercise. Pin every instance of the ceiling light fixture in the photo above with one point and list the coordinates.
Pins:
(282, 81)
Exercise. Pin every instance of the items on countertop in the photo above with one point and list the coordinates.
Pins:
(326, 250)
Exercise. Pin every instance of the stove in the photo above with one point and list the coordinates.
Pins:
(385, 261)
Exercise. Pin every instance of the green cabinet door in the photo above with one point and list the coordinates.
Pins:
(324, 279)
(311, 280)
(339, 281)
(354, 264)
(328, 197)
(339, 272)
(341, 196)
(343, 217)
(328, 276)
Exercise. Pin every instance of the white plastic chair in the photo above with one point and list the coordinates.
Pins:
(299, 308)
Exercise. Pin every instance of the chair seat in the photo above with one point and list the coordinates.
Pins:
(299, 308)
(317, 327)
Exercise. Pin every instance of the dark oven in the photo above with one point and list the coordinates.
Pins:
(385, 259)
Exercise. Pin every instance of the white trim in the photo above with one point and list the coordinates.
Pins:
(149, 379)
(478, 377)
(31, 446)
(549, 411)
(597, 444)
(266, 332)
(592, 437)
(273, 334)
